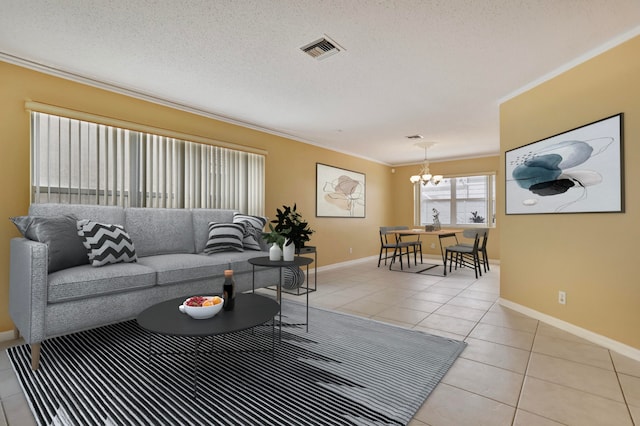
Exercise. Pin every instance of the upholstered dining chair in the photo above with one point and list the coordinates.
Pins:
(414, 241)
(389, 241)
(482, 249)
(465, 254)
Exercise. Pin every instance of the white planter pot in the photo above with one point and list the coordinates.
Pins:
(275, 253)
(288, 251)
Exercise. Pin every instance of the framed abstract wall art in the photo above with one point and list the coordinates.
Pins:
(339, 192)
(578, 171)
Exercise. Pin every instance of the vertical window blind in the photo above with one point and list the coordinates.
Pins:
(81, 162)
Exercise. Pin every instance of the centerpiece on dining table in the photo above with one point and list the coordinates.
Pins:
(436, 220)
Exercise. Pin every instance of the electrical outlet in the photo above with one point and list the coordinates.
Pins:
(562, 298)
(350, 250)
(433, 245)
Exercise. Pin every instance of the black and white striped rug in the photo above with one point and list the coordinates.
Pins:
(345, 371)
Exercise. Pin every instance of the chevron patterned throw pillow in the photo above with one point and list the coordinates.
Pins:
(106, 243)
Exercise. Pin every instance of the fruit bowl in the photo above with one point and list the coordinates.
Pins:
(202, 307)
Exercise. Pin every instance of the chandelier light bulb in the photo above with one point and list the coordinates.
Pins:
(425, 176)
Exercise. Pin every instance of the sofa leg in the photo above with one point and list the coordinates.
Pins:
(35, 356)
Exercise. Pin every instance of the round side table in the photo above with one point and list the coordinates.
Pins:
(265, 262)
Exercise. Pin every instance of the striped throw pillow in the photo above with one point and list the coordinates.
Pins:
(249, 237)
(253, 226)
(106, 244)
(224, 237)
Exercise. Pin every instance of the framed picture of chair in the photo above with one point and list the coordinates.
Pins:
(577, 171)
(339, 192)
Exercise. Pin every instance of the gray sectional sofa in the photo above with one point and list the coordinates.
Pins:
(48, 300)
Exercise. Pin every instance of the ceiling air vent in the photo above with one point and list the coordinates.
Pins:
(321, 48)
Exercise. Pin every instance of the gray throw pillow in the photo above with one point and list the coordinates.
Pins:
(59, 233)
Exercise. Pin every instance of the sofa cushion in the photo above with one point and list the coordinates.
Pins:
(239, 261)
(253, 227)
(102, 214)
(201, 220)
(224, 237)
(65, 248)
(105, 243)
(85, 281)
(175, 268)
(160, 231)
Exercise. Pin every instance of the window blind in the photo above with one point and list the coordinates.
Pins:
(77, 161)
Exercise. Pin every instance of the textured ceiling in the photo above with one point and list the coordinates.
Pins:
(438, 68)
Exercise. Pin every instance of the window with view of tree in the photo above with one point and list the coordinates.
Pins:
(75, 161)
(461, 201)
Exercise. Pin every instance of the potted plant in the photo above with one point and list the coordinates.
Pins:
(276, 240)
(290, 226)
(476, 218)
(273, 236)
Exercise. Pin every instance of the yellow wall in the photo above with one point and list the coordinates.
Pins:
(290, 165)
(593, 257)
(403, 215)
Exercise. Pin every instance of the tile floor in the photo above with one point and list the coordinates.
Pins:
(514, 371)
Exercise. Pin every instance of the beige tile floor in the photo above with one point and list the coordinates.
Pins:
(514, 371)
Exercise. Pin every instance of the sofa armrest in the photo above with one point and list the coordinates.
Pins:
(28, 288)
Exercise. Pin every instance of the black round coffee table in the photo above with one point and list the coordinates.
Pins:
(164, 318)
(250, 311)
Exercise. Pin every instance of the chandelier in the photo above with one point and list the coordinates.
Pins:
(425, 176)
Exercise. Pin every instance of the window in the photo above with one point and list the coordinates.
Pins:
(461, 201)
(81, 162)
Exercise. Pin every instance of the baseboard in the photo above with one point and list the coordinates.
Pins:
(434, 257)
(5, 336)
(347, 263)
(598, 339)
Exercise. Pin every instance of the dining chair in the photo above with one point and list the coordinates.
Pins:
(389, 241)
(415, 244)
(465, 255)
(482, 249)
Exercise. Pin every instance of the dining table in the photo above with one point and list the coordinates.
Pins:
(442, 234)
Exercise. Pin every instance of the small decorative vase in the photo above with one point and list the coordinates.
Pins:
(275, 253)
(288, 251)
(436, 224)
